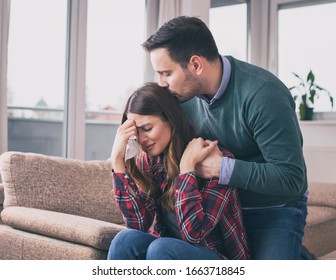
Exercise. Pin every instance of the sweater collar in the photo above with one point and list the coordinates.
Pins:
(224, 83)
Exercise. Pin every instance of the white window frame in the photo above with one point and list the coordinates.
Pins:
(74, 104)
(258, 47)
(257, 30)
(4, 21)
(273, 37)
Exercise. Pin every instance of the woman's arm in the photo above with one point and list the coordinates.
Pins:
(199, 212)
(124, 132)
(138, 209)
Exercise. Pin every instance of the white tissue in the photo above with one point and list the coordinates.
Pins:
(132, 148)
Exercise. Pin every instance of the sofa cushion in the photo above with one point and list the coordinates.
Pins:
(329, 256)
(320, 235)
(58, 184)
(320, 214)
(20, 245)
(322, 194)
(76, 229)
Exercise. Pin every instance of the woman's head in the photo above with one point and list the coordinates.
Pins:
(162, 129)
(160, 120)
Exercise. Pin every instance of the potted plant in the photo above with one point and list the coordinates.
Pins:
(305, 93)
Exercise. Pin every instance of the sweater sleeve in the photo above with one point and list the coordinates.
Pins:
(270, 119)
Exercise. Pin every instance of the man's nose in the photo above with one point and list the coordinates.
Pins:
(162, 81)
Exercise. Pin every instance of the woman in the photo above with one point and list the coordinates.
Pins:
(169, 212)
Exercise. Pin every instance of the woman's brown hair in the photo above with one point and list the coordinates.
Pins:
(154, 100)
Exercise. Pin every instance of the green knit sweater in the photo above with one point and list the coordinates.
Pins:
(255, 119)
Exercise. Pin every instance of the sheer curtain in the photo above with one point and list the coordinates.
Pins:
(158, 12)
(4, 27)
(168, 9)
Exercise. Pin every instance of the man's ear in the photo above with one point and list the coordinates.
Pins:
(196, 64)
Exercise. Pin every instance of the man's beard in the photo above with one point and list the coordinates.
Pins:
(190, 89)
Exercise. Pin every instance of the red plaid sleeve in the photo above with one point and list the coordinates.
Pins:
(138, 209)
(198, 213)
(210, 213)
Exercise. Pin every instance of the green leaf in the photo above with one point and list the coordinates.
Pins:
(310, 77)
(308, 90)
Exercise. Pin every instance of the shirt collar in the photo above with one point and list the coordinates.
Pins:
(224, 82)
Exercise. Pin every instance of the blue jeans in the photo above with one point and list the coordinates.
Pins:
(132, 244)
(276, 233)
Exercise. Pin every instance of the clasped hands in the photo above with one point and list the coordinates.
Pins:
(202, 156)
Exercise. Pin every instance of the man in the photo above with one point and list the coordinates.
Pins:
(252, 114)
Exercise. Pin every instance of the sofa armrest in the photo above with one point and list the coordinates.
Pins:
(322, 194)
(71, 186)
(76, 229)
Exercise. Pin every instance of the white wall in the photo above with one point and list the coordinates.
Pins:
(319, 148)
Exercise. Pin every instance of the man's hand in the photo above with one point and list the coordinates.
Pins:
(196, 151)
(211, 165)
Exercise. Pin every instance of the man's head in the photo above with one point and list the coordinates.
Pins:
(184, 37)
(179, 52)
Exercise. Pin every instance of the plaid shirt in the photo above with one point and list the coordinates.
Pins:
(207, 213)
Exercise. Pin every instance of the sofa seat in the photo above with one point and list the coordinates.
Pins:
(329, 256)
(72, 228)
(320, 234)
(320, 231)
(23, 245)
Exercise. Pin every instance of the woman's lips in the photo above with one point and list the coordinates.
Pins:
(149, 147)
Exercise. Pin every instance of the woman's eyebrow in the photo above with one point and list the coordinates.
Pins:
(143, 125)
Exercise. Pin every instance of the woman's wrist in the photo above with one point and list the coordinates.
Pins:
(186, 167)
(118, 166)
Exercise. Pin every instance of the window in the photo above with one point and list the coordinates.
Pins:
(36, 75)
(115, 63)
(44, 73)
(228, 24)
(307, 41)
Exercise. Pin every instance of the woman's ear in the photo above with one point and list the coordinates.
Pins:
(196, 64)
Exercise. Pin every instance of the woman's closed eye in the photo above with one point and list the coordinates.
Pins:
(146, 129)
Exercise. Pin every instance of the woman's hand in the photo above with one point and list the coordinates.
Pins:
(124, 132)
(196, 151)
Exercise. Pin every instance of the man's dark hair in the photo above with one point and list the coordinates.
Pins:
(184, 37)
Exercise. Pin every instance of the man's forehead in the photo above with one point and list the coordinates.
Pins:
(160, 52)
(161, 60)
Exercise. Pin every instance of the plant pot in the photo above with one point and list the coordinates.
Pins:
(306, 113)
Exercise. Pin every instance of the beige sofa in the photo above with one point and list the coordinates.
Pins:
(56, 208)
(320, 233)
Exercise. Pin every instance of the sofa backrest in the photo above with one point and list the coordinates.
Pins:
(64, 185)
